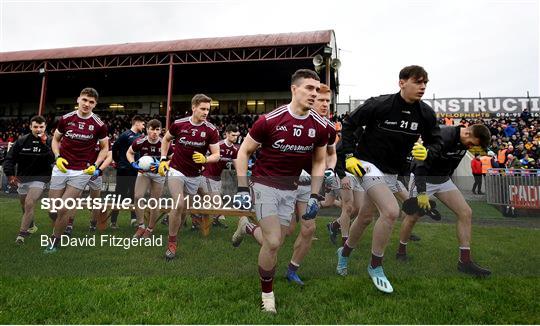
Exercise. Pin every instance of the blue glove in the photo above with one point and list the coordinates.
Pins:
(96, 174)
(136, 166)
(154, 167)
(242, 199)
(312, 207)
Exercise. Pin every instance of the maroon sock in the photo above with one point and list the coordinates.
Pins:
(402, 248)
(250, 228)
(70, 221)
(346, 250)
(335, 226)
(267, 279)
(172, 238)
(24, 233)
(344, 240)
(465, 255)
(376, 261)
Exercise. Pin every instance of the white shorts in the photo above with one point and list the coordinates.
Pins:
(74, 178)
(397, 187)
(355, 183)
(191, 184)
(303, 193)
(22, 188)
(210, 185)
(96, 183)
(154, 177)
(374, 176)
(431, 188)
(269, 201)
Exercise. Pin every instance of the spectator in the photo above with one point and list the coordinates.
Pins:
(476, 167)
(501, 157)
(510, 130)
(494, 162)
(512, 163)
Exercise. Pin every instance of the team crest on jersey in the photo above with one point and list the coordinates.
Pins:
(203, 134)
(193, 132)
(81, 125)
(311, 133)
(281, 128)
(414, 125)
(91, 127)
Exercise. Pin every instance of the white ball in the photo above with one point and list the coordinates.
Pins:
(145, 162)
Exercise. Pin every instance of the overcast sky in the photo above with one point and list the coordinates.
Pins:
(487, 46)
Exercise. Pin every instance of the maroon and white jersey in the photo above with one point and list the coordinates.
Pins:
(143, 146)
(79, 138)
(332, 133)
(287, 144)
(188, 139)
(228, 153)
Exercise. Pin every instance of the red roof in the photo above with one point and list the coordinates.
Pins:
(232, 42)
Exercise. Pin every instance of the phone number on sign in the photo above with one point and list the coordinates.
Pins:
(218, 202)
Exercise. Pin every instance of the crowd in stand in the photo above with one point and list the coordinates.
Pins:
(515, 142)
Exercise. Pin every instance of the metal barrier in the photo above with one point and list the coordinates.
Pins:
(517, 188)
(228, 178)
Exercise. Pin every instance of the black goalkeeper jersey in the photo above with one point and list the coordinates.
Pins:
(392, 126)
(439, 170)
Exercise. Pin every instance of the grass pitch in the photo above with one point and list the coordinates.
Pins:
(213, 283)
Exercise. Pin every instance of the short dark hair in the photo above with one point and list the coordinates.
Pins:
(231, 128)
(200, 98)
(154, 124)
(136, 118)
(303, 73)
(413, 71)
(481, 132)
(91, 92)
(37, 119)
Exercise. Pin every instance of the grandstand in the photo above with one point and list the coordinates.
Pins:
(243, 74)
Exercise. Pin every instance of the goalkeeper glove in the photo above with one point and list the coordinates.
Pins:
(419, 152)
(90, 170)
(136, 166)
(330, 178)
(163, 166)
(61, 164)
(154, 167)
(312, 207)
(354, 166)
(96, 174)
(199, 158)
(423, 201)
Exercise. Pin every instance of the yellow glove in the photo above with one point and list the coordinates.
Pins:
(419, 152)
(61, 164)
(423, 201)
(163, 168)
(354, 166)
(199, 158)
(90, 170)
